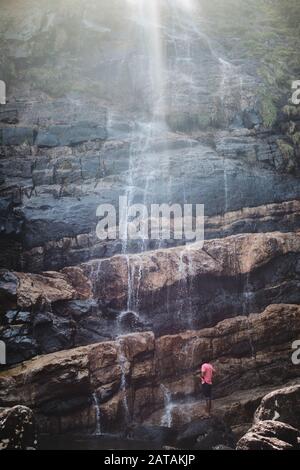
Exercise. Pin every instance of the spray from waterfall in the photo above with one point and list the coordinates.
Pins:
(167, 35)
(147, 15)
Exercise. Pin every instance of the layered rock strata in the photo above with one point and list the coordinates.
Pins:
(133, 379)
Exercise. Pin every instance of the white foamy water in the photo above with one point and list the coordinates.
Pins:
(167, 418)
(98, 415)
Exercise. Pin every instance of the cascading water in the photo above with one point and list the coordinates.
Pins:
(159, 23)
(185, 267)
(248, 307)
(169, 43)
(123, 383)
(146, 15)
(230, 93)
(167, 418)
(170, 55)
(97, 431)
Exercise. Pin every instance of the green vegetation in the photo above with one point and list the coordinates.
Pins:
(268, 36)
(288, 153)
(268, 110)
(292, 112)
(296, 139)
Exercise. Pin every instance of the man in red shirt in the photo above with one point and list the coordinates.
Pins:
(207, 372)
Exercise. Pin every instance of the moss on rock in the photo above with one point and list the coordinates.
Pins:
(268, 111)
(288, 154)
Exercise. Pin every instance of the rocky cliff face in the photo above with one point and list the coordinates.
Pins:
(180, 107)
(130, 379)
(166, 291)
(72, 138)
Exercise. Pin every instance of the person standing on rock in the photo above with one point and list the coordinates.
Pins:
(207, 372)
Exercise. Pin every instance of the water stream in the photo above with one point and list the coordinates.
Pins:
(248, 308)
(167, 418)
(123, 384)
(167, 39)
(97, 431)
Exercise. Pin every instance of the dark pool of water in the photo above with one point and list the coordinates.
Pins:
(90, 442)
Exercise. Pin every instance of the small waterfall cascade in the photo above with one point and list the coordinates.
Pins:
(123, 383)
(167, 418)
(185, 268)
(97, 431)
(248, 308)
(230, 94)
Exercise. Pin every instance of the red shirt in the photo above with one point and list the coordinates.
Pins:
(207, 371)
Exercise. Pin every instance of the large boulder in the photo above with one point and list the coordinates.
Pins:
(24, 290)
(17, 429)
(270, 435)
(281, 405)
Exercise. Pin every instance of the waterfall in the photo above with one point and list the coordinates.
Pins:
(147, 15)
(123, 384)
(168, 40)
(134, 273)
(225, 189)
(97, 431)
(248, 296)
(151, 19)
(185, 267)
(96, 275)
(167, 418)
(231, 79)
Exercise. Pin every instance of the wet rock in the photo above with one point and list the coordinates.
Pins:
(143, 363)
(246, 262)
(274, 217)
(66, 204)
(17, 429)
(156, 434)
(270, 435)
(27, 290)
(251, 118)
(205, 435)
(281, 405)
(20, 347)
(70, 135)
(8, 116)
(17, 136)
(8, 284)
(222, 447)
